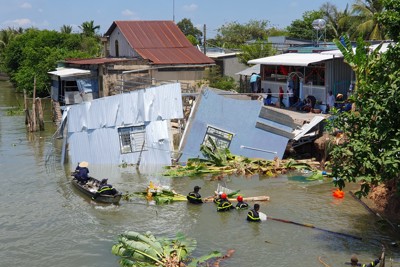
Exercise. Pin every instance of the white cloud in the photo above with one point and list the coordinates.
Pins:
(26, 5)
(19, 22)
(191, 7)
(127, 13)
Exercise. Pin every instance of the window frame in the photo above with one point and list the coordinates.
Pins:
(132, 139)
(222, 138)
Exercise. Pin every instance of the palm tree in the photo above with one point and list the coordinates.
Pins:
(366, 13)
(6, 35)
(337, 20)
(88, 28)
(66, 29)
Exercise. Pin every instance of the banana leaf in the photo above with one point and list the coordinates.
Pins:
(315, 176)
(132, 235)
(141, 248)
(126, 263)
(212, 255)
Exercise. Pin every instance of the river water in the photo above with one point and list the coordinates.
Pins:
(46, 222)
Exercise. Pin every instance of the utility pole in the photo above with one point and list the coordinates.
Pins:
(204, 40)
(173, 10)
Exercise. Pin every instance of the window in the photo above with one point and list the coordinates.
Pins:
(132, 139)
(222, 139)
(116, 48)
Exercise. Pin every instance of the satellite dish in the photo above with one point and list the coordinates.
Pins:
(319, 24)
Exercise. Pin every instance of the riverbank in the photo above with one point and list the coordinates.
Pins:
(4, 77)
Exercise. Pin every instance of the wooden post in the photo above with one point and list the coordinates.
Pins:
(33, 106)
(27, 120)
(40, 114)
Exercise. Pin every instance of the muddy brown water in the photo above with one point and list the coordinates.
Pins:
(46, 222)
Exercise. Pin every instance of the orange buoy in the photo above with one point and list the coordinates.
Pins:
(338, 193)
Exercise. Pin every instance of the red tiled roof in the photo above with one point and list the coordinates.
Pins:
(161, 42)
(95, 61)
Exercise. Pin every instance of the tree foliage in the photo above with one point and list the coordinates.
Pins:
(216, 80)
(233, 34)
(390, 17)
(371, 151)
(89, 29)
(302, 28)
(186, 26)
(255, 50)
(35, 52)
(366, 13)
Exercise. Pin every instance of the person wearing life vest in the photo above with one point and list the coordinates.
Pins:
(104, 189)
(218, 198)
(241, 205)
(194, 197)
(224, 204)
(252, 215)
(354, 262)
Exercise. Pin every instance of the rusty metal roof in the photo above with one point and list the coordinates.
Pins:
(94, 61)
(161, 42)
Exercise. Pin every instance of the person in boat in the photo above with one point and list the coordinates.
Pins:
(81, 173)
(354, 262)
(253, 215)
(224, 204)
(241, 205)
(195, 197)
(104, 189)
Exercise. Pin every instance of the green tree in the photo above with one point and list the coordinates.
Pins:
(254, 50)
(370, 154)
(34, 53)
(233, 34)
(366, 13)
(186, 26)
(302, 28)
(66, 29)
(216, 80)
(88, 28)
(390, 17)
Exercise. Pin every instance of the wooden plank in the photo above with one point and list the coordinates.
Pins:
(274, 130)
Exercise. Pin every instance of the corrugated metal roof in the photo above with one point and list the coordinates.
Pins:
(249, 71)
(161, 42)
(95, 61)
(65, 72)
(292, 59)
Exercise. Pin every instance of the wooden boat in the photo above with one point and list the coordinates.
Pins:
(91, 187)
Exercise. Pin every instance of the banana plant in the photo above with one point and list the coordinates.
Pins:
(145, 250)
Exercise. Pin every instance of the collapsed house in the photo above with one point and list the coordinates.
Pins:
(129, 128)
(246, 127)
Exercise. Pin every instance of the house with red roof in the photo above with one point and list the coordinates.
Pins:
(137, 54)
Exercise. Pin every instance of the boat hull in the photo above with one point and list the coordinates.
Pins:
(90, 188)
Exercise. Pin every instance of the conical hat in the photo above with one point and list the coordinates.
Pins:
(83, 164)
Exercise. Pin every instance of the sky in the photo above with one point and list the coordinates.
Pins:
(53, 14)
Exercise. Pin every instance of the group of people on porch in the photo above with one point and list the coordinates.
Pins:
(308, 104)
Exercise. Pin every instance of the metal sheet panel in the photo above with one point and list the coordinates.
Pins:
(238, 117)
(93, 126)
(292, 59)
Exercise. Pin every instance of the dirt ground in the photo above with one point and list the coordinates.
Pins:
(384, 200)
